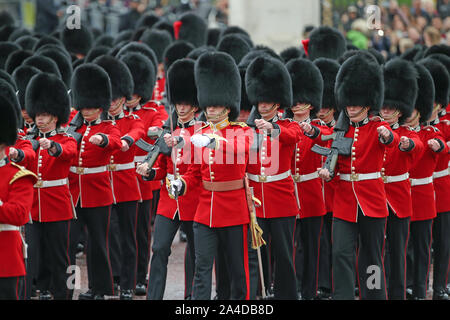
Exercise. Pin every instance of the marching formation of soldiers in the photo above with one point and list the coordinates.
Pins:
(311, 174)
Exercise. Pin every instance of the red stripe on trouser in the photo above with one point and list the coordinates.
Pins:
(404, 263)
(382, 259)
(247, 273)
(17, 288)
(107, 250)
(429, 255)
(318, 255)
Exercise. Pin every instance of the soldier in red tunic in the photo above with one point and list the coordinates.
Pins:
(269, 87)
(48, 104)
(124, 183)
(360, 209)
(220, 160)
(16, 200)
(144, 77)
(328, 114)
(400, 93)
(307, 88)
(431, 91)
(89, 180)
(172, 213)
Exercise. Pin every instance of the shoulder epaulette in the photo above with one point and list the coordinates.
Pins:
(241, 124)
(21, 173)
(429, 128)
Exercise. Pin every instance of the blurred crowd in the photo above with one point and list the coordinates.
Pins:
(114, 16)
(401, 26)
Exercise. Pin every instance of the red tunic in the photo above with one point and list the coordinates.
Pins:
(397, 163)
(151, 118)
(158, 95)
(16, 196)
(54, 203)
(28, 153)
(273, 158)
(423, 196)
(309, 188)
(124, 182)
(442, 183)
(227, 163)
(94, 189)
(187, 204)
(367, 157)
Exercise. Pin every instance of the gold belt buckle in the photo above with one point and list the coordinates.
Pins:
(80, 170)
(112, 167)
(262, 178)
(39, 184)
(384, 179)
(296, 177)
(354, 177)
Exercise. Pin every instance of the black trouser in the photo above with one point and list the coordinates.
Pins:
(143, 237)
(325, 253)
(397, 234)
(189, 268)
(114, 245)
(48, 252)
(100, 276)
(310, 237)
(234, 243)
(281, 234)
(222, 274)
(165, 230)
(441, 246)
(371, 233)
(127, 216)
(299, 255)
(421, 244)
(10, 288)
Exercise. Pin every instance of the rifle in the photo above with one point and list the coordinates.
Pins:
(339, 146)
(155, 149)
(31, 136)
(74, 125)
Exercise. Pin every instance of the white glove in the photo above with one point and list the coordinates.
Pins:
(1, 203)
(175, 186)
(200, 140)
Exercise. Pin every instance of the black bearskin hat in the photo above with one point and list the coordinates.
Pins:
(77, 41)
(413, 54)
(425, 97)
(15, 59)
(22, 76)
(177, 50)
(7, 91)
(139, 48)
(359, 82)
(291, 53)
(91, 87)
(158, 41)
(62, 61)
(400, 87)
(44, 64)
(441, 80)
(26, 42)
(307, 84)
(6, 48)
(218, 82)
(8, 122)
(122, 84)
(234, 45)
(143, 73)
(46, 93)
(181, 83)
(438, 48)
(197, 52)
(191, 28)
(326, 42)
(329, 69)
(268, 80)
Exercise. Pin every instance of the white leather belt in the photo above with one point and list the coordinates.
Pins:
(401, 177)
(305, 177)
(421, 182)
(81, 170)
(360, 176)
(262, 178)
(440, 174)
(139, 158)
(120, 166)
(50, 183)
(8, 227)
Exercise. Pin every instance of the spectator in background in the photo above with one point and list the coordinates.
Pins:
(418, 11)
(357, 34)
(431, 36)
(444, 8)
(414, 35)
(352, 15)
(47, 16)
(129, 19)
